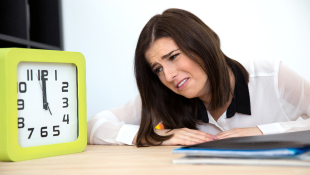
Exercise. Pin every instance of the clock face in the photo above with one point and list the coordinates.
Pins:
(47, 103)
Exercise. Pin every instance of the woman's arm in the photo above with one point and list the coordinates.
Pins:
(115, 126)
(120, 126)
(294, 93)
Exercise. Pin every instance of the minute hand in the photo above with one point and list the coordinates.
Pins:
(45, 104)
(44, 73)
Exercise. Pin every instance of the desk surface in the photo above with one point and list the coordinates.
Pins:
(100, 159)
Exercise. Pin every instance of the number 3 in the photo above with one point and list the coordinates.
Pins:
(65, 102)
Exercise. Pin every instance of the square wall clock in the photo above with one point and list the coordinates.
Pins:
(42, 103)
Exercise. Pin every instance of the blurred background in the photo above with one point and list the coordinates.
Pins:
(106, 32)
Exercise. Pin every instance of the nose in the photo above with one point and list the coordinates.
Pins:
(170, 72)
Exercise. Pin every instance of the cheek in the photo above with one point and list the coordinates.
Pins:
(167, 84)
(163, 81)
(202, 75)
(202, 78)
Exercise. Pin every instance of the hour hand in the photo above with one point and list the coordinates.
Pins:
(45, 103)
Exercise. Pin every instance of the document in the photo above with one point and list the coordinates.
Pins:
(276, 149)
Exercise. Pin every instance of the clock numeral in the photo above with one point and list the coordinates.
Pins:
(66, 104)
(31, 131)
(55, 130)
(65, 87)
(22, 86)
(66, 119)
(39, 75)
(20, 103)
(29, 77)
(21, 123)
(44, 74)
(44, 133)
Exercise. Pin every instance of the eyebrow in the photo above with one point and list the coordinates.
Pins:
(167, 55)
(163, 57)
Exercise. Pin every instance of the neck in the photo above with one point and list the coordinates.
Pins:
(206, 99)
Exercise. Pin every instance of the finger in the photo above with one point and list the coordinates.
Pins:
(200, 134)
(192, 135)
(195, 140)
(222, 133)
(229, 136)
(183, 137)
(188, 142)
(235, 130)
(225, 134)
(178, 141)
(197, 132)
(231, 133)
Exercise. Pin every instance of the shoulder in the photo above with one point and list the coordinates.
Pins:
(265, 66)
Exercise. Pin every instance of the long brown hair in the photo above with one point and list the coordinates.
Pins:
(160, 104)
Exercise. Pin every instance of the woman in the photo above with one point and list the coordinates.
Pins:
(198, 93)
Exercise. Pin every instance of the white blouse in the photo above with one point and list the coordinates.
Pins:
(279, 97)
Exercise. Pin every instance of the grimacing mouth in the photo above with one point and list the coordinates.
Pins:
(181, 82)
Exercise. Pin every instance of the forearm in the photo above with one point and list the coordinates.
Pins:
(282, 127)
(105, 128)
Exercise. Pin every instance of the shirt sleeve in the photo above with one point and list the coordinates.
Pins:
(294, 98)
(116, 126)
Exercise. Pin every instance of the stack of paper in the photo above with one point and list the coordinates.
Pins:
(288, 149)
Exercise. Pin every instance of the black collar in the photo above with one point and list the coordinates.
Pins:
(240, 102)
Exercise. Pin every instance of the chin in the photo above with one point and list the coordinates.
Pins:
(186, 94)
(189, 95)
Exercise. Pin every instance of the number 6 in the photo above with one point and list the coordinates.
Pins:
(44, 133)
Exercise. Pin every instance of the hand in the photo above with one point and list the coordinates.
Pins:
(239, 132)
(185, 136)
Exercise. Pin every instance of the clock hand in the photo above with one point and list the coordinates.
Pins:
(41, 89)
(39, 81)
(45, 103)
(49, 109)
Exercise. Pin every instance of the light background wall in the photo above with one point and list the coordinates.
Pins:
(106, 32)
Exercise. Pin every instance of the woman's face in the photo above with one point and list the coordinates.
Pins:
(176, 70)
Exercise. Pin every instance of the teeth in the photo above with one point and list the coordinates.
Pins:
(182, 82)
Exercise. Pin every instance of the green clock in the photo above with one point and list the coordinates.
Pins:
(42, 103)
